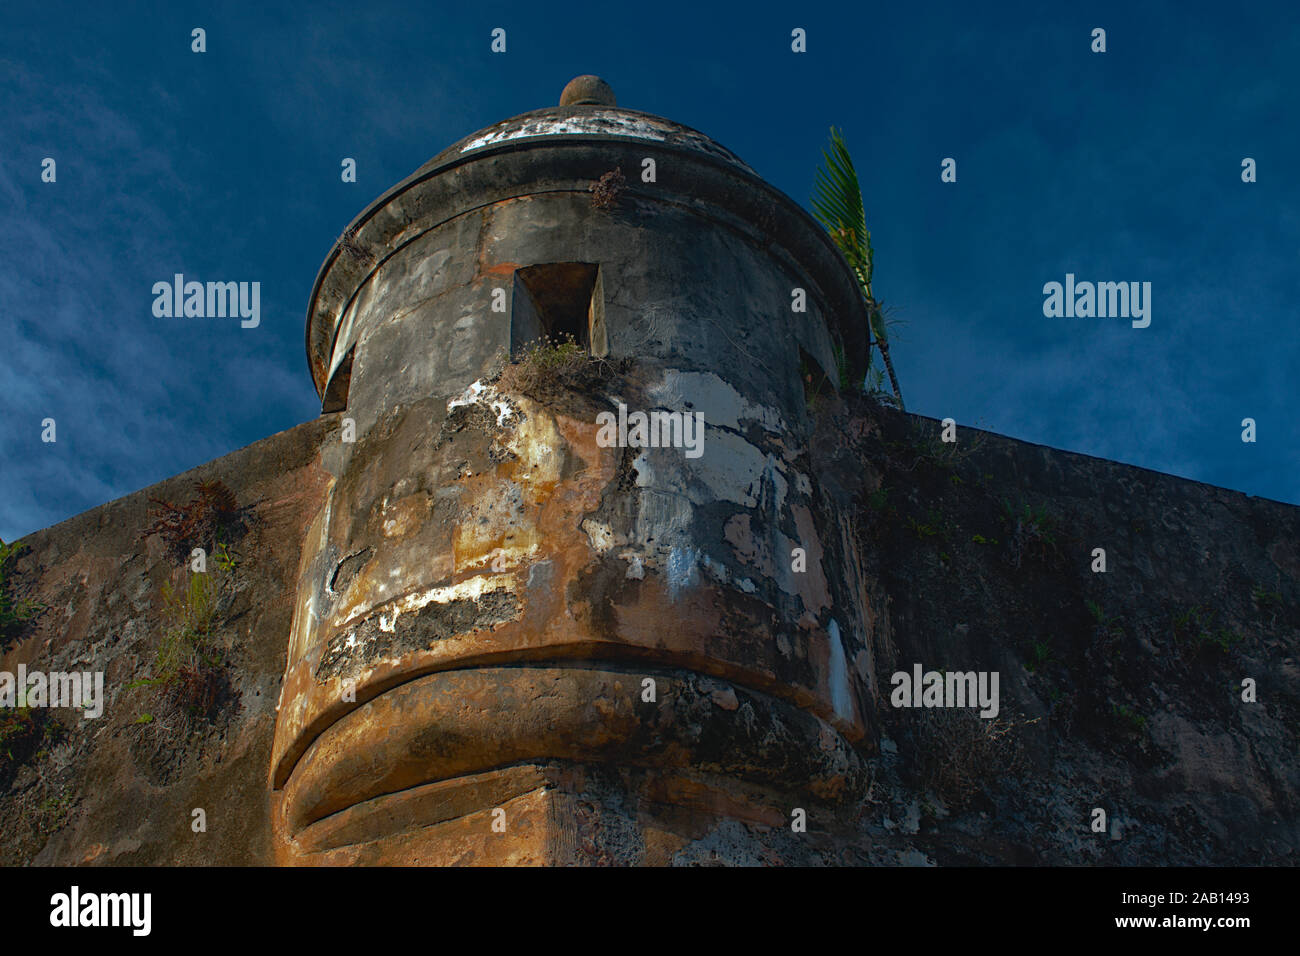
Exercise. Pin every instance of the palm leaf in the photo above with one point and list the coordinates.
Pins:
(837, 202)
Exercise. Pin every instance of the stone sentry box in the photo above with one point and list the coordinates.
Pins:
(497, 618)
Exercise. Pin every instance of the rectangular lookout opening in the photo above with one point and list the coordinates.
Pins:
(559, 301)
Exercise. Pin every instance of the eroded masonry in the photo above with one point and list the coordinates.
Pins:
(490, 596)
(456, 622)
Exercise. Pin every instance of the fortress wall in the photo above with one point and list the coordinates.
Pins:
(1120, 690)
(121, 792)
(1133, 712)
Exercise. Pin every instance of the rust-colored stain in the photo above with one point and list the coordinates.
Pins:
(445, 709)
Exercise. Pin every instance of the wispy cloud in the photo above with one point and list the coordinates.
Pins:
(226, 166)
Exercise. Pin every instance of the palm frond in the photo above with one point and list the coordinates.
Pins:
(837, 202)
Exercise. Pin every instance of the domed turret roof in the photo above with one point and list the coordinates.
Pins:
(491, 163)
(584, 122)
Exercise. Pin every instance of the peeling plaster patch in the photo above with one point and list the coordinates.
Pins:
(501, 559)
(323, 544)
(681, 569)
(404, 515)
(724, 576)
(773, 478)
(472, 588)
(497, 516)
(717, 569)
(541, 573)
(467, 397)
(503, 410)
(811, 585)
(662, 518)
(736, 471)
(416, 622)
(731, 470)
(303, 627)
(535, 441)
(469, 589)
(603, 124)
(474, 395)
(839, 675)
(783, 573)
(635, 570)
(645, 475)
(610, 122)
(721, 404)
(739, 533)
(599, 534)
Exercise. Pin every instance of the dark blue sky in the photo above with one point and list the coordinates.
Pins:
(1121, 166)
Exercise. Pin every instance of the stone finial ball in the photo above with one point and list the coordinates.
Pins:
(587, 90)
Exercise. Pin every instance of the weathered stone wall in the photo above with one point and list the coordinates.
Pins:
(1120, 690)
(493, 532)
(120, 791)
(1133, 705)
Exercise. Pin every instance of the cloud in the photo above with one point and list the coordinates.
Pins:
(131, 395)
